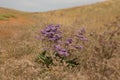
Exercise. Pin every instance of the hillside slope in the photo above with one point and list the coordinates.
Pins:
(91, 16)
(14, 17)
(11, 19)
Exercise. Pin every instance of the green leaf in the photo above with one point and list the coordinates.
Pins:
(44, 58)
(44, 53)
(72, 62)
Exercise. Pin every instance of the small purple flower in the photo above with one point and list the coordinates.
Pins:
(57, 26)
(57, 37)
(61, 51)
(84, 39)
(79, 47)
(81, 35)
(43, 31)
(48, 29)
(57, 47)
(54, 29)
(69, 41)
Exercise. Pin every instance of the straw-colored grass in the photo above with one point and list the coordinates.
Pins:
(19, 47)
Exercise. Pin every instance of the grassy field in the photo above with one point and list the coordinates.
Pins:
(19, 47)
(6, 16)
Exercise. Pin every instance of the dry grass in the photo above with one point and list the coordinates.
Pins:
(19, 48)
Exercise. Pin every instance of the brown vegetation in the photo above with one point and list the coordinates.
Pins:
(19, 48)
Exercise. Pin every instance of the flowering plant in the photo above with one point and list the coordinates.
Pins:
(54, 44)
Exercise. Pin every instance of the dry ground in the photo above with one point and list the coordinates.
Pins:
(19, 48)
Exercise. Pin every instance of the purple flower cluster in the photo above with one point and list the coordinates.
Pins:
(52, 32)
(61, 51)
(81, 34)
